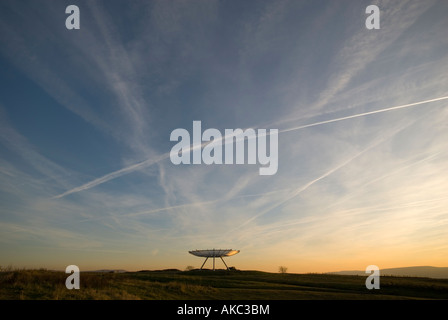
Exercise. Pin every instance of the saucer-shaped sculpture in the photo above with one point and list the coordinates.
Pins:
(214, 253)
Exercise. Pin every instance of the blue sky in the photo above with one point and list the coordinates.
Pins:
(86, 117)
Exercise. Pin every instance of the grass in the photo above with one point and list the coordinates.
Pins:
(206, 284)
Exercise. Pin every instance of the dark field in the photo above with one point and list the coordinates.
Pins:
(205, 284)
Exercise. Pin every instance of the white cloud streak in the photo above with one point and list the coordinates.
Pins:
(113, 175)
(149, 162)
(301, 189)
(364, 114)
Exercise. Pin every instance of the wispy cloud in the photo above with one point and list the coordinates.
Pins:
(165, 156)
(22, 148)
(361, 115)
(301, 189)
(113, 175)
(364, 114)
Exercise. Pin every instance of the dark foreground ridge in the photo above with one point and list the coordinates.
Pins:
(172, 284)
(419, 271)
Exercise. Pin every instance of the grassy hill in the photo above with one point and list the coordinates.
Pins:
(206, 284)
(420, 271)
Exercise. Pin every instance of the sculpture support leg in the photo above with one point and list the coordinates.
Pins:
(224, 263)
(204, 262)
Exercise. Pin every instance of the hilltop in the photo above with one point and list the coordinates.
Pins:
(206, 284)
(420, 271)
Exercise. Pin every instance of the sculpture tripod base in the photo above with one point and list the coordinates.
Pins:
(227, 268)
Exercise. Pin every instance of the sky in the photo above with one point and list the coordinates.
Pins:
(86, 117)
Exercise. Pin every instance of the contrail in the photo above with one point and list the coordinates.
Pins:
(139, 165)
(112, 175)
(299, 190)
(147, 212)
(150, 162)
(185, 205)
(363, 114)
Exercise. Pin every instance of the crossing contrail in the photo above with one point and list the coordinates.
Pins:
(149, 162)
(112, 175)
(363, 114)
(300, 189)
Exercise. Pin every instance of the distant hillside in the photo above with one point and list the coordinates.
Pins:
(423, 271)
(212, 285)
(108, 271)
